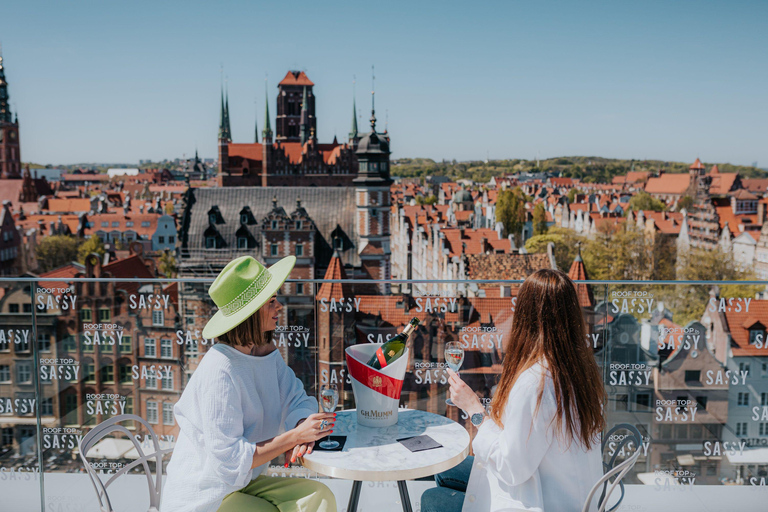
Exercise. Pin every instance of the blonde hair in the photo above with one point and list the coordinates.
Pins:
(247, 333)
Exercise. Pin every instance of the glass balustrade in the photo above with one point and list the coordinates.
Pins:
(685, 363)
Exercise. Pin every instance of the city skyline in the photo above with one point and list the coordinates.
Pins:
(647, 82)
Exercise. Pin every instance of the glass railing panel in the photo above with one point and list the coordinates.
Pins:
(25, 395)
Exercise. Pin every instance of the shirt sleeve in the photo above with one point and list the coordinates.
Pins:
(514, 452)
(229, 452)
(296, 404)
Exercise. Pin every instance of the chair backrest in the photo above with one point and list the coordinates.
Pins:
(618, 472)
(111, 426)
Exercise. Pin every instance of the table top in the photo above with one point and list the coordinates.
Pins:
(373, 453)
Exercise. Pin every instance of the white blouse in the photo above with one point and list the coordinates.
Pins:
(232, 401)
(524, 466)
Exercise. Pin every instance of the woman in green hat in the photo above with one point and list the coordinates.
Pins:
(243, 407)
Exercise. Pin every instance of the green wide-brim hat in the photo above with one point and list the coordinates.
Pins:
(241, 289)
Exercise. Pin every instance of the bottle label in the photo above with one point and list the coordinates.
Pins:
(374, 379)
(381, 358)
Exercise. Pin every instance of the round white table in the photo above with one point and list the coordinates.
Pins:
(374, 454)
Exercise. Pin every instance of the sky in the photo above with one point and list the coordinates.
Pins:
(124, 81)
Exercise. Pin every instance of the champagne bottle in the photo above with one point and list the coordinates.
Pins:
(388, 352)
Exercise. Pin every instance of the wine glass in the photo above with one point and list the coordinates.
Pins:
(329, 398)
(454, 357)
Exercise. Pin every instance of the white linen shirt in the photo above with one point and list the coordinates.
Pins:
(524, 466)
(232, 401)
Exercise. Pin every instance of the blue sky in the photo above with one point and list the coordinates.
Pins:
(123, 81)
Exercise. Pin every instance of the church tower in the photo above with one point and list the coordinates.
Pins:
(373, 203)
(225, 136)
(291, 94)
(10, 148)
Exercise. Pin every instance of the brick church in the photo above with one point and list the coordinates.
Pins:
(292, 155)
(10, 148)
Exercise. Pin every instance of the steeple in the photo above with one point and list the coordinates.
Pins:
(373, 102)
(267, 132)
(223, 119)
(5, 107)
(256, 129)
(226, 116)
(353, 131)
(304, 124)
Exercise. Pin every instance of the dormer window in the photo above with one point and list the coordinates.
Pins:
(298, 224)
(246, 216)
(274, 224)
(210, 242)
(242, 242)
(757, 335)
(243, 219)
(212, 218)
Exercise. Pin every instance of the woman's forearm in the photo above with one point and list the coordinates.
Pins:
(271, 448)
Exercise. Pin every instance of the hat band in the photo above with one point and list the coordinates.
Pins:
(251, 291)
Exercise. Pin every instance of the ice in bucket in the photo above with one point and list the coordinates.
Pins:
(377, 392)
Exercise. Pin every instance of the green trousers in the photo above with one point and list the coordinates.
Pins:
(276, 494)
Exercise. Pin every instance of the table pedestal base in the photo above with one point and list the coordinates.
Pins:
(354, 496)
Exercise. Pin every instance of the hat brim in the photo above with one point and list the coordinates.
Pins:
(221, 324)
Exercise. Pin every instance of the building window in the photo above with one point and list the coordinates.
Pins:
(125, 374)
(692, 376)
(5, 373)
(161, 239)
(167, 413)
(743, 399)
(151, 381)
(643, 401)
(152, 412)
(298, 224)
(126, 344)
(145, 224)
(242, 242)
(69, 344)
(104, 224)
(167, 381)
(129, 224)
(743, 367)
(85, 315)
(741, 429)
(70, 410)
(43, 342)
(129, 405)
(104, 315)
(90, 373)
(13, 308)
(621, 402)
(764, 429)
(171, 239)
(701, 402)
(150, 347)
(166, 349)
(210, 242)
(27, 308)
(6, 439)
(158, 317)
(46, 406)
(274, 224)
(115, 224)
(23, 372)
(339, 243)
(275, 250)
(244, 218)
(299, 288)
(299, 250)
(108, 374)
(756, 335)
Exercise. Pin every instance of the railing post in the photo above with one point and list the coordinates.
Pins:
(38, 393)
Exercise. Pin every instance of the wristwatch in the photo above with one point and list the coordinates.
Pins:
(477, 418)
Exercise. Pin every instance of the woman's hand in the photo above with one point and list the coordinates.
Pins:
(462, 395)
(313, 428)
(299, 450)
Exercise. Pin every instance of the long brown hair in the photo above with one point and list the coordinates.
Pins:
(548, 325)
(248, 333)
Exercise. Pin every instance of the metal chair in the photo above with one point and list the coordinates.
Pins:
(111, 426)
(616, 473)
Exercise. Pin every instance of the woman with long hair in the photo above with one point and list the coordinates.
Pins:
(538, 449)
(243, 407)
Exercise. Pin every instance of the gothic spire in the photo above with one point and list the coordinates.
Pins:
(353, 131)
(226, 115)
(5, 107)
(256, 129)
(373, 102)
(266, 134)
(222, 118)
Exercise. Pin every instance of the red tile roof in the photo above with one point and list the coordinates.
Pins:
(296, 78)
(69, 205)
(335, 290)
(722, 182)
(755, 185)
(253, 151)
(726, 215)
(505, 266)
(739, 323)
(70, 270)
(697, 165)
(668, 184)
(578, 272)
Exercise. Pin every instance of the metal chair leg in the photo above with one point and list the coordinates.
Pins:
(405, 499)
(354, 496)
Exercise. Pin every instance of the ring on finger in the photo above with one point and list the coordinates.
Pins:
(323, 425)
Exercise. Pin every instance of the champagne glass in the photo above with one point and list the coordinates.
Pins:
(454, 357)
(329, 398)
